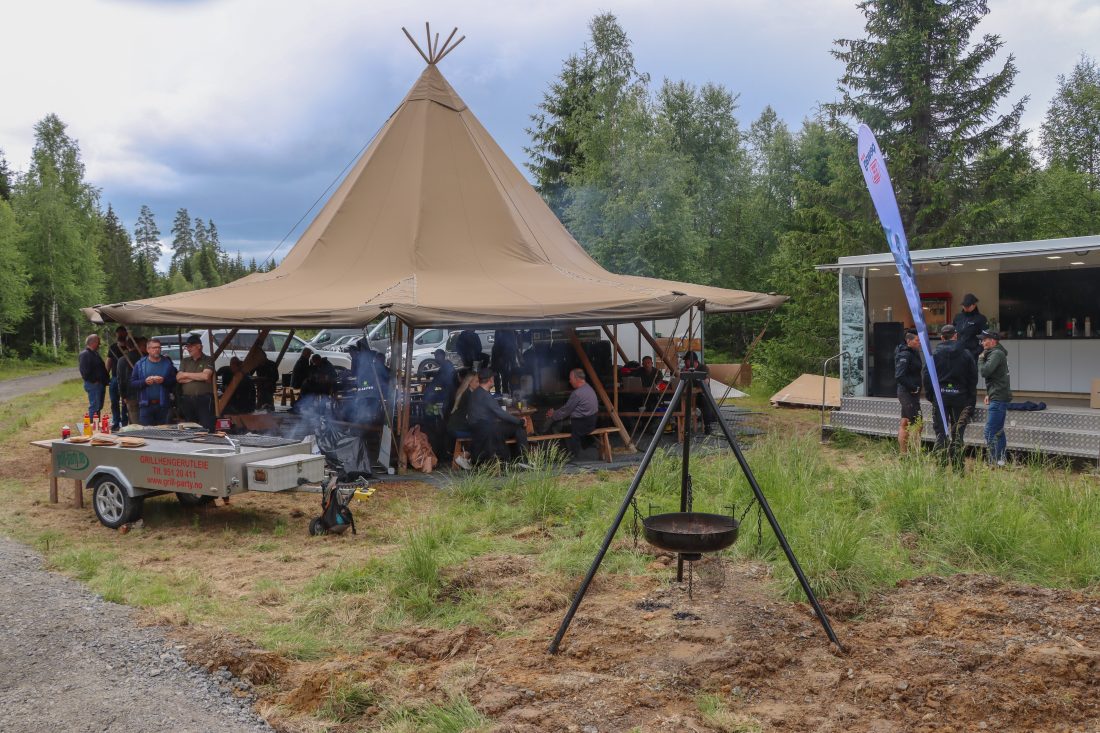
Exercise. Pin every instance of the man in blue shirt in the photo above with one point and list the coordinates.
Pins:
(153, 379)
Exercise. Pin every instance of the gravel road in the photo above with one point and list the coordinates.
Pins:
(70, 661)
(12, 388)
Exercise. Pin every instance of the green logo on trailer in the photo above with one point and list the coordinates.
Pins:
(72, 460)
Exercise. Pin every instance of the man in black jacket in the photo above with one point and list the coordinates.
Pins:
(491, 424)
(907, 372)
(957, 374)
(94, 373)
(969, 324)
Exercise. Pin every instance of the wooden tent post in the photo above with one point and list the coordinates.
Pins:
(600, 391)
(406, 402)
(251, 361)
(615, 365)
(282, 351)
(673, 367)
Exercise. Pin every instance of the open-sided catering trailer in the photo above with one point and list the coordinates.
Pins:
(195, 466)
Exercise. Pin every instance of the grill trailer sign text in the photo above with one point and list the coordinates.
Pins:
(174, 472)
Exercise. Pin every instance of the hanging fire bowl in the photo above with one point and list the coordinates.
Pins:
(690, 532)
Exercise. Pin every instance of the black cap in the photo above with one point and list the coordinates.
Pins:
(485, 375)
(970, 299)
(440, 352)
(947, 330)
(911, 333)
(991, 335)
(193, 339)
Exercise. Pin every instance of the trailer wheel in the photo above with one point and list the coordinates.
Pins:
(194, 499)
(316, 528)
(113, 506)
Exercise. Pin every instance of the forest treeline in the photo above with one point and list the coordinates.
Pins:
(664, 179)
(60, 251)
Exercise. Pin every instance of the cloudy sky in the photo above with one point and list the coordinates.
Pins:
(244, 111)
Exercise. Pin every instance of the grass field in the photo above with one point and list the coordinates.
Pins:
(859, 517)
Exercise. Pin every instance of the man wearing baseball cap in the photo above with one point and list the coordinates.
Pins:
(969, 323)
(993, 366)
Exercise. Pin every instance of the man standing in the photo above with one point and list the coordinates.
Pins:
(492, 425)
(153, 379)
(438, 398)
(94, 374)
(468, 346)
(580, 409)
(692, 364)
(266, 377)
(958, 383)
(196, 380)
(115, 354)
(907, 372)
(993, 366)
(969, 323)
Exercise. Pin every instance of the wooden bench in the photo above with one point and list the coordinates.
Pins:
(656, 416)
(603, 442)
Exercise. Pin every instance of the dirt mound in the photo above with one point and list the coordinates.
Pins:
(215, 650)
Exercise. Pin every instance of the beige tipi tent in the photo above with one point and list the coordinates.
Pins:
(436, 226)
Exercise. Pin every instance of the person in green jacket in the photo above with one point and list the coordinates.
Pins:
(993, 366)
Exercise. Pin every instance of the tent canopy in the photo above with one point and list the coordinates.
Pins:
(436, 226)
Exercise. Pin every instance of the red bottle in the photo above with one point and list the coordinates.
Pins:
(105, 423)
(65, 432)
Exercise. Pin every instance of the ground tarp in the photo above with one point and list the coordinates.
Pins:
(434, 224)
(806, 392)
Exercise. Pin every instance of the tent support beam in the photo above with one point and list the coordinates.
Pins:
(282, 351)
(251, 361)
(600, 391)
(658, 352)
(220, 347)
(406, 403)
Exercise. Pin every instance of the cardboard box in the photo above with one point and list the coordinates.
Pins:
(1094, 395)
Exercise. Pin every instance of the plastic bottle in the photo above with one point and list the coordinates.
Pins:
(87, 430)
(66, 431)
(104, 423)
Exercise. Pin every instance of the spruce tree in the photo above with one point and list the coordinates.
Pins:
(147, 235)
(578, 123)
(5, 178)
(117, 255)
(924, 90)
(1070, 135)
(183, 239)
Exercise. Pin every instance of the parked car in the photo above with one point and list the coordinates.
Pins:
(329, 337)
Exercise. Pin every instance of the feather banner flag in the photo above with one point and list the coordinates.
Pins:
(882, 194)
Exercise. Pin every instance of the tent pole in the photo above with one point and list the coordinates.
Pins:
(282, 351)
(406, 403)
(615, 364)
(673, 367)
(600, 391)
(251, 361)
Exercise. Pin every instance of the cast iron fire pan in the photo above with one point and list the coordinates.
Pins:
(690, 531)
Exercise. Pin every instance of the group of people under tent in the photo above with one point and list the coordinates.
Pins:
(967, 348)
(146, 388)
(471, 405)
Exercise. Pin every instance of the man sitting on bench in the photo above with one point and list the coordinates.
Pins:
(580, 410)
(492, 425)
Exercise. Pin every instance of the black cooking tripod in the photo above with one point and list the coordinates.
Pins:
(685, 391)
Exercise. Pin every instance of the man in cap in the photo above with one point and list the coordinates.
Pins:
(907, 372)
(196, 380)
(993, 366)
(969, 323)
(957, 374)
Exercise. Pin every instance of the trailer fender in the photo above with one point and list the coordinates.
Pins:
(120, 478)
